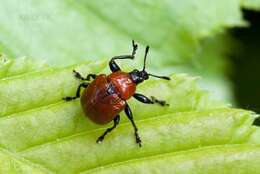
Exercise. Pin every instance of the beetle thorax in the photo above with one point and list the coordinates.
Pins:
(123, 84)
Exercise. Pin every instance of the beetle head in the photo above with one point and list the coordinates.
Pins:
(139, 76)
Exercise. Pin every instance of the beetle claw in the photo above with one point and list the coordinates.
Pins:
(135, 46)
(138, 140)
(77, 75)
(67, 98)
(160, 102)
(100, 139)
(139, 143)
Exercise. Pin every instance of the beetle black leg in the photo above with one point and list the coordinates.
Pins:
(146, 100)
(160, 102)
(79, 76)
(82, 85)
(113, 65)
(129, 115)
(116, 121)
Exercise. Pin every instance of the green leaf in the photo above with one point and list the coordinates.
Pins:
(64, 32)
(12, 163)
(213, 160)
(37, 128)
(42, 82)
(23, 65)
(68, 32)
(251, 4)
(40, 133)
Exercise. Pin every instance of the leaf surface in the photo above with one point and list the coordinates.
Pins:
(45, 131)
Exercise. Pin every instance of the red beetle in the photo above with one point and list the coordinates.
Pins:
(105, 97)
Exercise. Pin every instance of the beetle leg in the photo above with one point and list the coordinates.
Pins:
(146, 100)
(129, 115)
(160, 102)
(79, 76)
(113, 65)
(116, 121)
(82, 85)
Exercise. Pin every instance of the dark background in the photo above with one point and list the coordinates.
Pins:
(246, 71)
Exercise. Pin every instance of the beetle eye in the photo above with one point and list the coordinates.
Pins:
(146, 76)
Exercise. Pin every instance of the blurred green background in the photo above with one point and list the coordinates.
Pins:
(216, 40)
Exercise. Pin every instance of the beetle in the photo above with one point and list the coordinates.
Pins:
(106, 96)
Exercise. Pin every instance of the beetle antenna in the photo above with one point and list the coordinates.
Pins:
(145, 55)
(161, 77)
